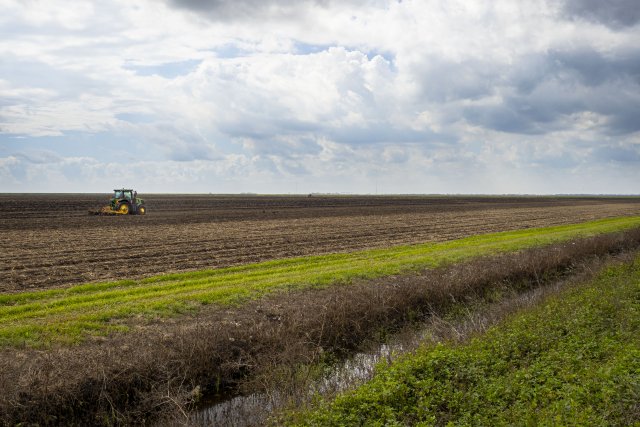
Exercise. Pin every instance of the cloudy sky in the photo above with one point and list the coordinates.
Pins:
(279, 96)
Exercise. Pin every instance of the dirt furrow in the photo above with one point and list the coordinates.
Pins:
(49, 241)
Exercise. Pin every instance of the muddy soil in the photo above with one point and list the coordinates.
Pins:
(50, 241)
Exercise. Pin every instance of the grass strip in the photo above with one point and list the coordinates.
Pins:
(573, 360)
(68, 315)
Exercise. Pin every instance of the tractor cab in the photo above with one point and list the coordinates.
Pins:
(124, 194)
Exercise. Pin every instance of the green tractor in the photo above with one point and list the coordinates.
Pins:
(124, 202)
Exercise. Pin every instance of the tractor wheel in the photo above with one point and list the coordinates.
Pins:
(124, 208)
(142, 210)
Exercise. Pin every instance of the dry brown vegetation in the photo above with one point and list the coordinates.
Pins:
(160, 369)
(50, 241)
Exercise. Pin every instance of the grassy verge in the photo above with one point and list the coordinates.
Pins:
(574, 360)
(68, 315)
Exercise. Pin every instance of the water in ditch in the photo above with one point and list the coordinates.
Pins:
(254, 409)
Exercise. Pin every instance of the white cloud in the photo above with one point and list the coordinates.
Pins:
(428, 96)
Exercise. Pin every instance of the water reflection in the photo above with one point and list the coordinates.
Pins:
(254, 409)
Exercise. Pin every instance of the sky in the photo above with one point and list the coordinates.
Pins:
(275, 96)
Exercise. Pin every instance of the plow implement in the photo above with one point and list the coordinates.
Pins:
(107, 210)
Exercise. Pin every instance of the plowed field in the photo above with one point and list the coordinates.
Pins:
(50, 241)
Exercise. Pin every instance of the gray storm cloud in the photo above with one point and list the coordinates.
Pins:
(561, 83)
(247, 9)
(612, 13)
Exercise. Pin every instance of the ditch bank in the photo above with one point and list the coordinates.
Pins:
(311, 389)
(572, 358)
(167, 367)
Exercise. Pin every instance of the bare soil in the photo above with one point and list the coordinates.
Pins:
(49, 240)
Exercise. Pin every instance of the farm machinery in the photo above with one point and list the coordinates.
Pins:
(123, 202)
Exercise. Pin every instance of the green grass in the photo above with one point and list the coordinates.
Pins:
(573, 360)
(69, 315)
